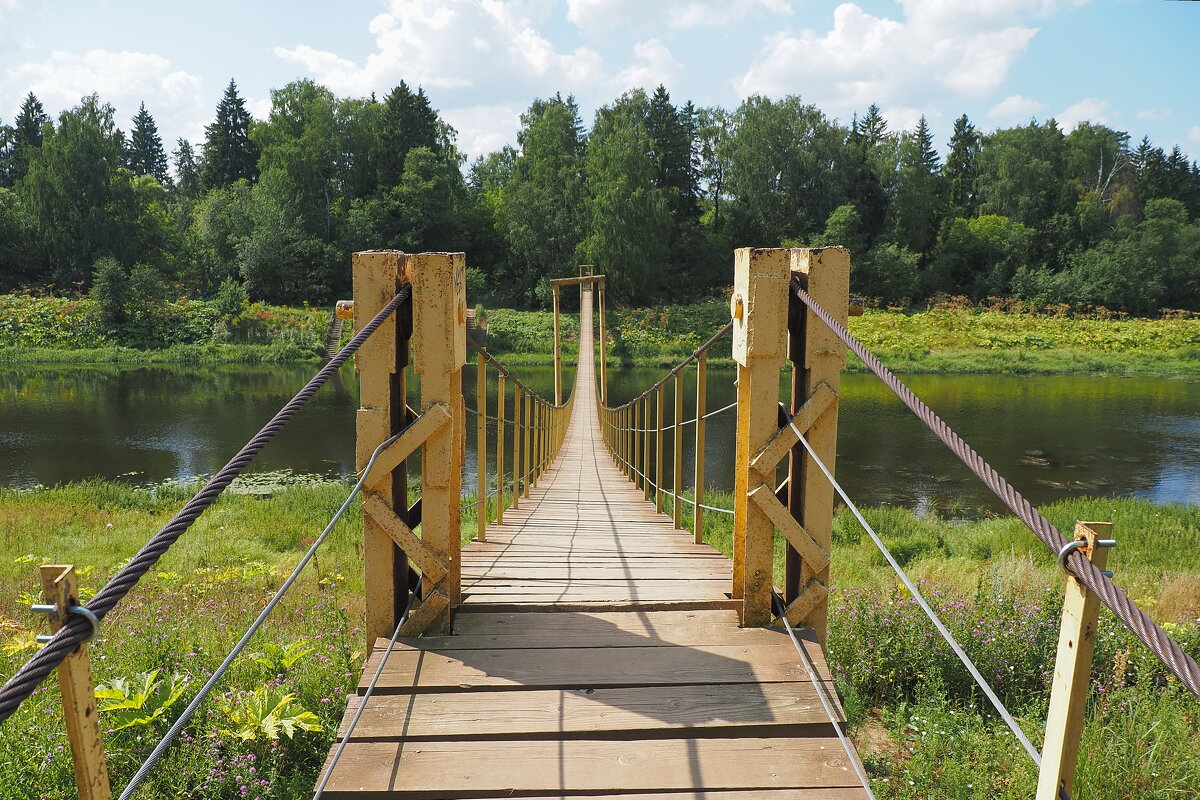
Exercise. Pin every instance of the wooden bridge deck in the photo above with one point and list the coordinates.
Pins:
(596, 653)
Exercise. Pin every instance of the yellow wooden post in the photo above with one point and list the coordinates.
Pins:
(603, 349)
(677, 473)
(439, 304)
(701, 403)
(759, 309)
(60, 588)
(500, 402)
(557, 352)
(380, 362)
(658, 450)
(826, 275)
(518, 407)
(481, 447)
(646, 486)
(530, 465)
(1072, 669)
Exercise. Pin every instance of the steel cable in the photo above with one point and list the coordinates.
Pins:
(75, 631)
(1168, 651)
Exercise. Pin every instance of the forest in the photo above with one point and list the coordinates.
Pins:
(656, 194)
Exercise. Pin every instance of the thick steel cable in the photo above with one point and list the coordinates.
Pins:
(76, 630)
(161, 748)
(1168, 652)
(815, 678)
(988, 691)
(337, 755)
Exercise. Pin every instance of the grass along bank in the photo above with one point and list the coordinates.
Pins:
(919, 724)
(950, 336)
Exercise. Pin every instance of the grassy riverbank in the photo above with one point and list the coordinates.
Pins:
(918, 723)
(947, 337)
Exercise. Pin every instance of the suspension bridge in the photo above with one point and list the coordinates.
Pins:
(584, 643)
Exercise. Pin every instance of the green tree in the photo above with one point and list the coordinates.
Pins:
(962, 170)
(221, 221)
(978, 257)
(18, 267)
(229, 154)
(917, 204)
(279, 259)
(1022, 174)
(22, 139)
(543, 215)
(630, 214)
(407, 121)
(188, 184)
(145, 154)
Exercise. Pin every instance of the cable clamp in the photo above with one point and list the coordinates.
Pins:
(49, 609)
(1070, 547)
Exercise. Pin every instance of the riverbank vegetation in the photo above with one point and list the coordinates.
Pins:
(919, 724)
(655, 192)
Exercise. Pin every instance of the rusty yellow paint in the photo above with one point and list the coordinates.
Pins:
(381, 514)
(701, 410)
(677, 440)
(60, 588)
(763, 496)
(557, 352)
(500, 403)
(1072, 671)
(767, 459)
(439, 305)
(659, 494)
(481, 488)
(759, 306)
(518, 438)
(527, 458)
(344, 309)
(378, 275)
(433, 420)
(826, 271)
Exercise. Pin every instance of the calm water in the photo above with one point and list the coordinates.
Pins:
(1052, 437)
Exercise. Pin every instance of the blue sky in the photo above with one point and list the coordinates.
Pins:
(1131, 64)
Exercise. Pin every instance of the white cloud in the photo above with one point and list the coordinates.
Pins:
(1155, 114)
(903, 118)
(1088, 109)
(939, 45)
(1194, 133)
(1015, 108)
(452, 44)
(124, 79)
(599, 15)
(654, 65)
(484, 129)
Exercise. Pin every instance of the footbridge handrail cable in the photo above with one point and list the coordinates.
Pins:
(675, 370)
(76, 630)
(1145, 629)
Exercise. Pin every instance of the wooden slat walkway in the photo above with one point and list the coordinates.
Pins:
(596, 653)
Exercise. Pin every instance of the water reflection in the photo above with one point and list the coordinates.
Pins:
(1052, 437)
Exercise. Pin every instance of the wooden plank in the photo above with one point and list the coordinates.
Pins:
(471, 768)
(455, 670)
(770, 709)
(838, 793)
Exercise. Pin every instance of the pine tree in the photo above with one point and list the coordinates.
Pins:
(408, 121)
(29, 122)
(145, 154)
(18, 142)
(229, 153)
(188, 175)
(918, 198)
(962, 169)
(672, 138)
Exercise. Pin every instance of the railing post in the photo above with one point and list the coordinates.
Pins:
(646, 485)
(518, 405)
(557, 352)
(60, 589)
(500, 403)
(481, 447)
(818, 358)
(701, 410)
(658, 450)
(528, 444)
(439, 304)
(1072, 669)
(380, 363)
(759, 309)
(677, 440)
(603, 350)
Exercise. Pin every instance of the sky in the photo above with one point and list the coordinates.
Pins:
(1133, 65)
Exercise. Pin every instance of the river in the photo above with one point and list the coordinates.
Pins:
(1053, 437)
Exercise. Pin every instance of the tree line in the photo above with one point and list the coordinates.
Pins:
(656, 194)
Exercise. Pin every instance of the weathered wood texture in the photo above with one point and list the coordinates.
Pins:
(565, 677)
